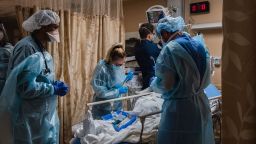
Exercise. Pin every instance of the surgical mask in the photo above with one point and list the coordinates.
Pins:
(119, 73)
(115, 67)
(1, 35)
(154, 38)
(54, 36)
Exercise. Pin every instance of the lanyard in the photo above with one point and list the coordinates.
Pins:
(41, 48)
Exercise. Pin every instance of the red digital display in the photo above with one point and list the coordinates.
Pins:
(203, 7)
(200, 7)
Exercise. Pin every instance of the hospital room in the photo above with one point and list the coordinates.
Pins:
(127, 72)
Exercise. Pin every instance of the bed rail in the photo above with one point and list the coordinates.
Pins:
(119, 99)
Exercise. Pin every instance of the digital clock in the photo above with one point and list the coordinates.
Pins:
(200, 7)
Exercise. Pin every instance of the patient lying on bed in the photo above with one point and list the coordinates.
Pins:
(103, 132)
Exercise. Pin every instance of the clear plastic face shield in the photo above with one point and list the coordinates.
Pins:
(118, 64)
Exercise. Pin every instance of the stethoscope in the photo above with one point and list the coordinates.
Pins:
(41, 48)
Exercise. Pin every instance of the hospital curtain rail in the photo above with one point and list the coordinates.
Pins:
(239, 72)
(86, 34)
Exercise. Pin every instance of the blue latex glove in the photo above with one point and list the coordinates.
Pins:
(129, 76)
(123, 90)
(117, 86)
(60, 88)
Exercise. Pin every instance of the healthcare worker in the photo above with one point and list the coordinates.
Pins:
(107, 81)
(146, 53)
(182, 74)
(29, 98)
(5, 53)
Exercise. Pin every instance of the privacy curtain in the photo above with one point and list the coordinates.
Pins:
(239, 72)
(88, 28)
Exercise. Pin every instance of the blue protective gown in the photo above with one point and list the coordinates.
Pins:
(144, 52)
(186, 117)
(28, 96)
(5, 53)
(103, 82)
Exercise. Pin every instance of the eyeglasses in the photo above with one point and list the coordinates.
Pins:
(118, 64)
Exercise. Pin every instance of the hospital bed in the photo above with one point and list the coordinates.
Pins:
(143, 130)
(215, 99)
(216, 103)
(146, 134)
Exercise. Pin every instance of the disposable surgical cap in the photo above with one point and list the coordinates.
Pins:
(39, 19)
(170, 24)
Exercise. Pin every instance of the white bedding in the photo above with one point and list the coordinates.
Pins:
(102, 132)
